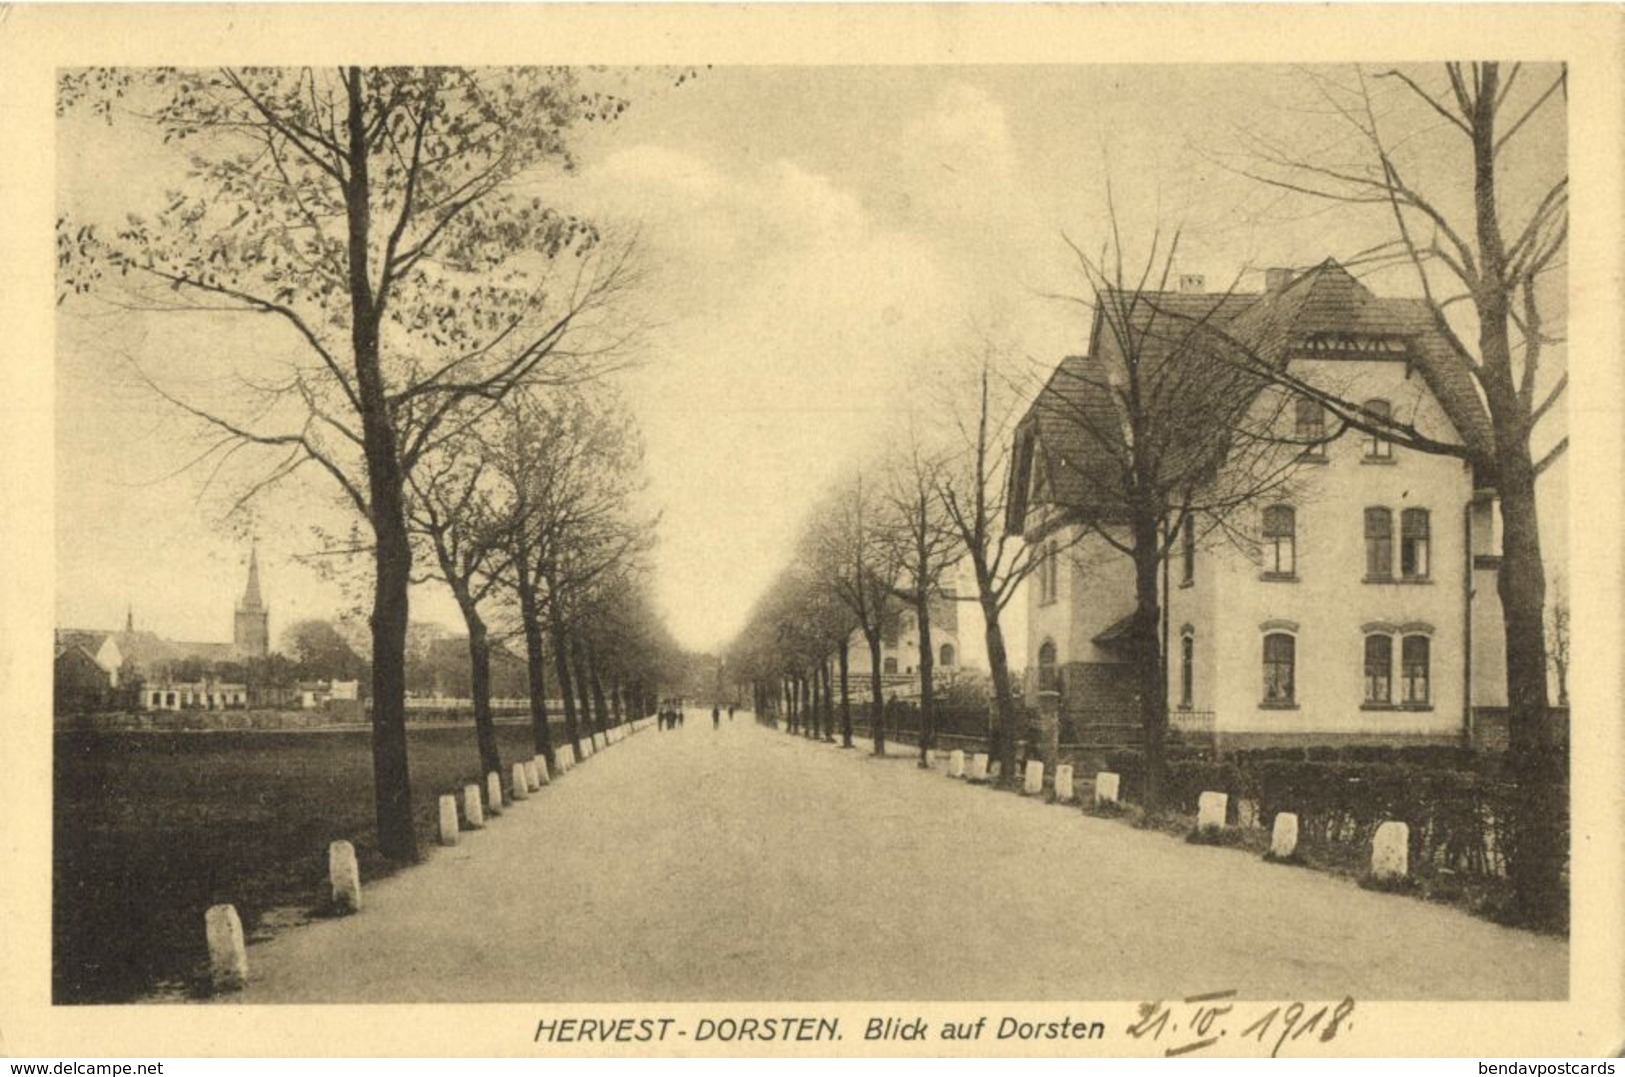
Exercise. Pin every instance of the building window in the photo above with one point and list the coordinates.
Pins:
(1187, 552)
(1309, 427)
(1046, 667)
(907, 624)
(1280, 541)
(1187, 669)
(888, 665)
(1379, 544)
(1378, 448)
(1414, 671)
(1280, 661)
(1413, 544)
(1379, 665)
(946, 657)
(1049, 574)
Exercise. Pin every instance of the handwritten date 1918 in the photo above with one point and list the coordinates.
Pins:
(1200, 1021)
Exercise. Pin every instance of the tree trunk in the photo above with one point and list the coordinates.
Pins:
(1005, 714)
(561, 666)
(1538, 849)
(877, 705)
(816, 725)
(535, 668)
(392, 788)
(578, 667)
(846, 696)
(922, 609)
(829, 703)
(479, 667)
(600, 703)
(1151, 682)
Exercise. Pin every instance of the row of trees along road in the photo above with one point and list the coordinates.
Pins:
(1170, 436)
(385, 230)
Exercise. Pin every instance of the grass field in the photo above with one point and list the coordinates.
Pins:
(153, 828)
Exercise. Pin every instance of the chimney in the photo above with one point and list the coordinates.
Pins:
(1191, 283)
(1276, 280)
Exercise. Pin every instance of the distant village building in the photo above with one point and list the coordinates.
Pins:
(97, 670)
(1361, 607)
(900, 651)
(87, 670)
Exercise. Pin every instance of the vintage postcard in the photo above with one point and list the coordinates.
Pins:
(1129, 497)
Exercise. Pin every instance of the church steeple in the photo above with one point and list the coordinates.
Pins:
(251, 593)
(252, 633)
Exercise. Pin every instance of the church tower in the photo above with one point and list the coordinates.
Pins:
(252, 633)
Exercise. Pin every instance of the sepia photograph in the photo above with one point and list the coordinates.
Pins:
(1109, 518)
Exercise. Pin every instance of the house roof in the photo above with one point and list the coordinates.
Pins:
(1327, 301)
(1075, 428)
(91, 640)
(1071, 438)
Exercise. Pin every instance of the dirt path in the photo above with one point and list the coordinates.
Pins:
(743, 864)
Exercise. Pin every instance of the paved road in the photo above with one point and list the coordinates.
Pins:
(744, 864)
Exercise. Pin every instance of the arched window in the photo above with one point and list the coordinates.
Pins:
(1379, 665)
(1377, 448)
(1309, 427)
(888, 665)
(1280, 669)
(1188, 551)
(1187, 669)
(1280, 541)
(1046, 667)
(1414, 655)
(1379, 544)
(946, 656)
(1413, 544)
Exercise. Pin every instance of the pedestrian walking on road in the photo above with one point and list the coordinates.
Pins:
(730, 712)
(716, 716)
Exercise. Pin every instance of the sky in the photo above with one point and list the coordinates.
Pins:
(820, 245)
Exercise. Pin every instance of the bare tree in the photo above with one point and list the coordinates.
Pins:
(458, 511)
(1494, 260)
(924, 547)
(974, 488)
(848, 541)
(370, 219)
(1161, 432)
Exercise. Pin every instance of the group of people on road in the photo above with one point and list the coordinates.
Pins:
(671, 714)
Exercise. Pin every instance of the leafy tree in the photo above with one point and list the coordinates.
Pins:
(321, 651)
(375, 225)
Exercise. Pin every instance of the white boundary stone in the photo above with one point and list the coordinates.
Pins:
(521, 782)
(493, 793)
(473, 810)
(542, 775)
(1064, 791)
(1106, 787)
(956, 763)
(1210, 810)
(978, 767)
(228, 956)
(344, 875)
(1284, 835)
(1033, 779)
(1391, 851)
(448, 820)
